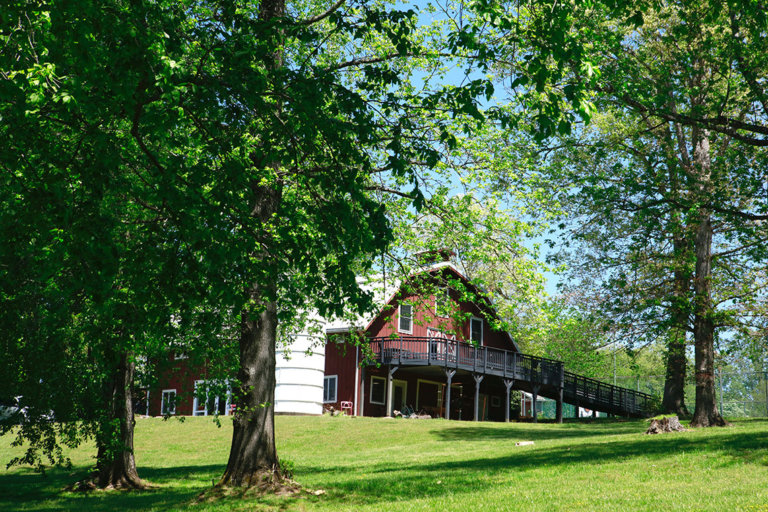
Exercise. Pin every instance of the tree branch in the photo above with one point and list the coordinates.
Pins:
(322, 16)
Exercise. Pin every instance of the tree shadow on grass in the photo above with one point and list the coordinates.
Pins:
(395, 480)
(391, 482)
(24, 489)
(529, 432)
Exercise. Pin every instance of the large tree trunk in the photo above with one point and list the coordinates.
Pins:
(706, 414)
(674, 384)
(115, 463)
(253, 455)
(673, 400)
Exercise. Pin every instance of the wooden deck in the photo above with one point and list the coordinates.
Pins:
(545, 377)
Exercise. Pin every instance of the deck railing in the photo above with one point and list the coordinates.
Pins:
(461, 355)
(604, 396)
(547, 374)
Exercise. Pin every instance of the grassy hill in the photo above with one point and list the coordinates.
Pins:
(384, 464)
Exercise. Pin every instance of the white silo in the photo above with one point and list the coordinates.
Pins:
(299, 372)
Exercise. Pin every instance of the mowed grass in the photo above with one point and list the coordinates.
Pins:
(385, 464)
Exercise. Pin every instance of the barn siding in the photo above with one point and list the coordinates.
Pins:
(424, 318)
(340, 357)
(180, 376)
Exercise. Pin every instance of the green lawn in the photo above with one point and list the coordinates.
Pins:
(384, 464)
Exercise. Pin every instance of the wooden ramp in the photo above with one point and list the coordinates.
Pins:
(541, 376)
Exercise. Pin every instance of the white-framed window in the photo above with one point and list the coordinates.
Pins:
(168, 405)
(207, 402)
(378, 390)
(179, 355)
(476, 330)
(405, 319)
(330, 388)
(442, 303)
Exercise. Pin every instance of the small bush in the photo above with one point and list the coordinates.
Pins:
(287, 468)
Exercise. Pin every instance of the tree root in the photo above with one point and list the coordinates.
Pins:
(124, 483)
(709, 421)
(256, 484)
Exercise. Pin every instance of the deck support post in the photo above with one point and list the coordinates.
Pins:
(391, 371)
(535, 396)
(449, 377)
(559, 406)
(478, 380)
(508, 383)
(361, 398)
(594, 413)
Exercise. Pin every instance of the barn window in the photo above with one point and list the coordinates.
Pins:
(330, 387)
(476, 330)
(377, 390)
(212, 397)
(168, 405)
(406, 319)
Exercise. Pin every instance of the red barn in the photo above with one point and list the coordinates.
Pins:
(413, 353)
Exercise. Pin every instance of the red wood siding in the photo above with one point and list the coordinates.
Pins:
(178, 374)
(181, 376)
(424, 319)
(340, 358)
